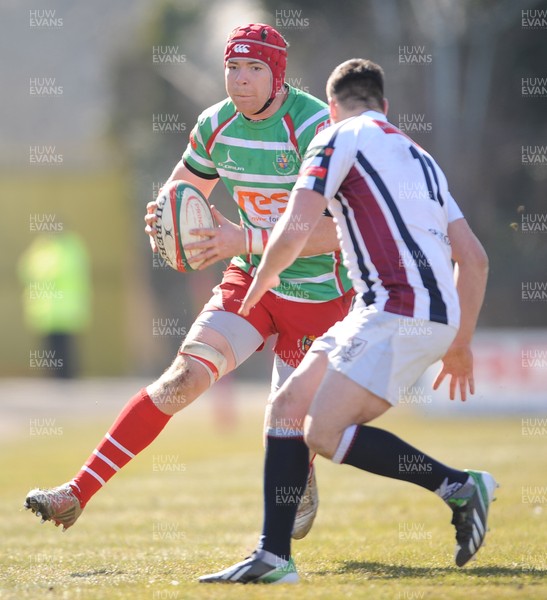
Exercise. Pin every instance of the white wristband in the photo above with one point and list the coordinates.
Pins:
(256, 239)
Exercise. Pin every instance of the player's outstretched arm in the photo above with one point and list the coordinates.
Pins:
(289, 236)
(471, 273)
(322, 239)
(228, 239)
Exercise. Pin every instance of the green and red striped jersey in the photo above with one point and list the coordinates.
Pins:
(258, 161)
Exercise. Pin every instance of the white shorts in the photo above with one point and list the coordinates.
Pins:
(383, 352)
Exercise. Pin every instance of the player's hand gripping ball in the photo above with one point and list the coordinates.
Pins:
(181, 208)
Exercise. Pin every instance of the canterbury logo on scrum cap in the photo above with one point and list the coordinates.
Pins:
(248, 42)
(242, 48)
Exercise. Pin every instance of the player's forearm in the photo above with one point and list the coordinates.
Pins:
(471, 285)
(323, 239)
(284, 246)
(286, 243)
(470, 274)
(293, 230)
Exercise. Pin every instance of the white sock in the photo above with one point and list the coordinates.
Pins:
(446, 490)
(272, 559)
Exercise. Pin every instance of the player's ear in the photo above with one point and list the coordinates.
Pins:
(386, 106)
(333, 110)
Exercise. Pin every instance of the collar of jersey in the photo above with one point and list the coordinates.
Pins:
(374, 114)
(277, 116)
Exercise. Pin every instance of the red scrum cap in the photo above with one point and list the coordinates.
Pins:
(261, 43)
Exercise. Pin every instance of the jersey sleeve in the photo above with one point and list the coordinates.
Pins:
(326, 163)
(196, 157)
(454, 211)
(311, 127)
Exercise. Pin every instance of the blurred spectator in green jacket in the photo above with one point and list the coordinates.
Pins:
(57, 297)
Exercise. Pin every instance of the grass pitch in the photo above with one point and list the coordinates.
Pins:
(191, 504)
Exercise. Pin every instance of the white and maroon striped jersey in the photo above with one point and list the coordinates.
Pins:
(392, 207)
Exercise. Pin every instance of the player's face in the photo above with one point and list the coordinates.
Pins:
(248, 84)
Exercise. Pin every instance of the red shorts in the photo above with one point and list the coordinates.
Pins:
(296, 323)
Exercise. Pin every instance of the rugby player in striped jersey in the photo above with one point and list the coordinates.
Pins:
(412, 309)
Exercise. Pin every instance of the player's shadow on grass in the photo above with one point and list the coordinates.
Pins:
(376, 570)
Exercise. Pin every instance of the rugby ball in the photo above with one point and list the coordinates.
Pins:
(181, 208)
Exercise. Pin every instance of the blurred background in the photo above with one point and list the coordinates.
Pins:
(98, 99)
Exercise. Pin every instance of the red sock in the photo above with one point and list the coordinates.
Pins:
(139, 423)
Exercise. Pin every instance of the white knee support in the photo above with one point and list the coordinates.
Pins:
(214, 361)
(241, 336)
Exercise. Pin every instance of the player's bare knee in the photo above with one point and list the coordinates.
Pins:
(285, 411)
(179, 385)
(279, 405)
